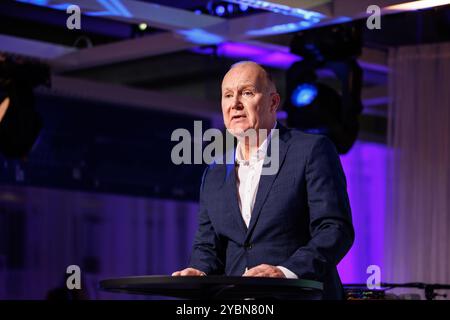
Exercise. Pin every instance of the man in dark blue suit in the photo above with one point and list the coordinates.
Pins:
(294, 223)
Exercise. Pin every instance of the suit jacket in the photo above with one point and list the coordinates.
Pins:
(301, 218)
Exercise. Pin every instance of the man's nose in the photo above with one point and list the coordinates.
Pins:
(236, 103)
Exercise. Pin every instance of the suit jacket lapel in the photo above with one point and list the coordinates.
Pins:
(230, 190)
(266, 181)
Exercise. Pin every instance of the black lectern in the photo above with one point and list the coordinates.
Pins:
(217, 287)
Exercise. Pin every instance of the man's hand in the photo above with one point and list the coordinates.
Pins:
(3, 107)
(188, 272)
(264, 270)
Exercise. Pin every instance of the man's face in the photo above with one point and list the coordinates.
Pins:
(247, 100)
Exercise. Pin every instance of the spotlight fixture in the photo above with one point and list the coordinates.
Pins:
(304, 94)
(243, 7)
(141, 29)
(225, 9)
(314, 106)
(143, 26)
(284, 9)
(220, 10)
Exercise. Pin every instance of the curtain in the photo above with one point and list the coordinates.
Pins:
(417, 223)
(365, 171)
(43, 231)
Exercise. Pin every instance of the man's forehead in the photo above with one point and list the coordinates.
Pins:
(243, 75)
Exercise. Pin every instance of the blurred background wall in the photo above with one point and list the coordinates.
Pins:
(98, 188)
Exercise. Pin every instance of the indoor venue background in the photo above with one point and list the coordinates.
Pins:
(98, 188)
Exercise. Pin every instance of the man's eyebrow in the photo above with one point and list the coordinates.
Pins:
(243, 86)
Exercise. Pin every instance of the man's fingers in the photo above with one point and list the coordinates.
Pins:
(260, 274)
(264, 270)
(188, 272)
(253, 271)
(249, 273)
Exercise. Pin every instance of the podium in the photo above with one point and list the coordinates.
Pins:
(216, 287)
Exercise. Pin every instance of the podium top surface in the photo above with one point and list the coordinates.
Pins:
(215, 287)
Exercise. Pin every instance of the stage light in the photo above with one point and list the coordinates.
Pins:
(226, 8)
(220, 10)
(198, 11)
(230, 8)
(417, 5)
(318, 115)
(143, 26)
(273, 6)
(140, 30)
(329, 43)
(304, 94)
(243, 7)
(315, 106)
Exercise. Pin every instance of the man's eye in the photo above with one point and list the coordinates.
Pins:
(247, 93)
(228, 95)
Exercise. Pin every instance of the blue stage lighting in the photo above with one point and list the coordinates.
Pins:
(304, 94)
(220, 10)
(243, 7)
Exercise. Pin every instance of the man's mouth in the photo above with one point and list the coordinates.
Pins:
(236, 117)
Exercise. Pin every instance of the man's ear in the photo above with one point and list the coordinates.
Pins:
(274, 101)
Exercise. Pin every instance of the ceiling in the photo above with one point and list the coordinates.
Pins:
(184, 54)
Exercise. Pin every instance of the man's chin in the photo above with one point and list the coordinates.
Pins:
(238, 131)
(242, 132)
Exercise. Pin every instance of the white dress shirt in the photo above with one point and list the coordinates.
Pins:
(248, 173)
